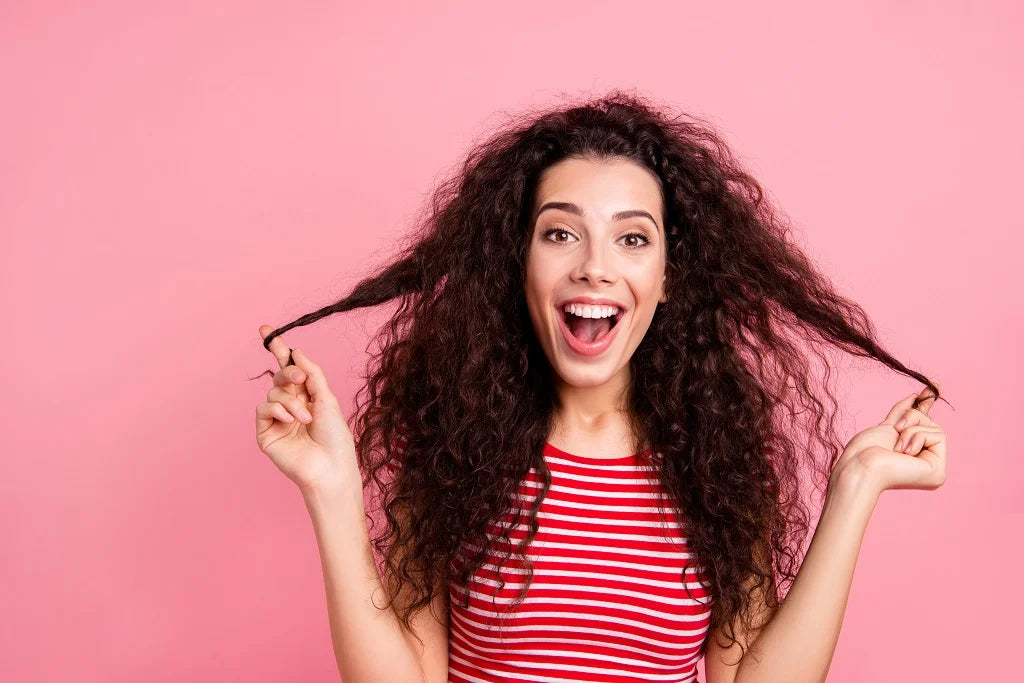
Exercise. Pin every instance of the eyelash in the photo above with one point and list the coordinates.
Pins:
(642, 236)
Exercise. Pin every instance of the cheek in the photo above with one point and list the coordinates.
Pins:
(539, 283)
(535, 301)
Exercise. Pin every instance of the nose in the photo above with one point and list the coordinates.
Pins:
(595, 265)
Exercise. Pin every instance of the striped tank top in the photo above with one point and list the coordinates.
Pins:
(606, 601)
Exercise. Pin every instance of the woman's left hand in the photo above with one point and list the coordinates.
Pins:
(907, 450)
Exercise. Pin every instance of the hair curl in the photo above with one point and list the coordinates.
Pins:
(721, 382)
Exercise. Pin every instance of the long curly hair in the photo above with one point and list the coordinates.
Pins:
(722, 385)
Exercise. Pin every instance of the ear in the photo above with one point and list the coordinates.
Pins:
(664, 294)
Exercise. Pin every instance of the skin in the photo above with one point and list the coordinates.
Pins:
(906, 450)
(595, 256)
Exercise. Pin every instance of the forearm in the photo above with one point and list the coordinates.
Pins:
(798, 643)
(369, 643)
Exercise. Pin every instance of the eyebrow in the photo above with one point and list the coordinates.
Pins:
(576, 210)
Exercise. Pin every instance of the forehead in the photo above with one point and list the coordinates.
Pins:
(603, 187)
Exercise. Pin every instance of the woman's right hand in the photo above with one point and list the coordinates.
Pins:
(300, 425)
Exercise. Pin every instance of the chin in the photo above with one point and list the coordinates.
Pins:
(583, 374)
(584, 379)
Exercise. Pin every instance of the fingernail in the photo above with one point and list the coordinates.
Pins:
(899, 445)
(901, 424)
(305, 415)
(295, 375)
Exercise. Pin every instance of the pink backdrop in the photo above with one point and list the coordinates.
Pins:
(176, 174)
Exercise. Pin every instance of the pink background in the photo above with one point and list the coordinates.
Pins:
(176, 174)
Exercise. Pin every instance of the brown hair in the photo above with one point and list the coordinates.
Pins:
(722, 379)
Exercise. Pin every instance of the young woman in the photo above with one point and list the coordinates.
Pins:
(596, 401)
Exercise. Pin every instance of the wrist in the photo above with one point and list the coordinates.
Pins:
(323, 495)
(853, 480)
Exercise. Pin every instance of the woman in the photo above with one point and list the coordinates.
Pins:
(598, 384)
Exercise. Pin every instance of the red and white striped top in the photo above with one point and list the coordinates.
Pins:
(606, 601)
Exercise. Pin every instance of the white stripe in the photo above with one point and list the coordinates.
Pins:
(461, 675)
(598, 479)
(571, 667)
(645, 509)
(636, 566)
(462, 618)
(590, 548)
(682, 660)
(469, 648)
(590, 589)
(643, 625)
(545, 572)
(612, 521)
(565, 601)
(578, 533)
(591, 493)
(603, 468)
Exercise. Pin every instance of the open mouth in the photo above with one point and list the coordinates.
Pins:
(590, 330)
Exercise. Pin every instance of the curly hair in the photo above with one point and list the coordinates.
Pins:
(722, 384)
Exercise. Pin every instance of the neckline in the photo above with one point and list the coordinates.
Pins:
(623, 460)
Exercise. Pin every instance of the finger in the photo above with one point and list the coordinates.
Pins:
(927, 400)
(296, 405)
(289, 378)
(927, 451)
(912, 417)
(903, 440)
(911, 441)
(277, 346)
(899, 409)
(267, 413)
(316, 381)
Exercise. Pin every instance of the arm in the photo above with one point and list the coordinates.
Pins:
(907, 450)
(369, 643)
(798, 642)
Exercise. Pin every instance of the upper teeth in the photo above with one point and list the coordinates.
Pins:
(591, 311)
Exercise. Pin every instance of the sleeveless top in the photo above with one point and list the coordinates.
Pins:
(606, 601)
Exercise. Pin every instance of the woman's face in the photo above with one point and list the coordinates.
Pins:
(581, 248)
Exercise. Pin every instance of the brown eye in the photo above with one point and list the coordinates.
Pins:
(641, 236)
(552, 231)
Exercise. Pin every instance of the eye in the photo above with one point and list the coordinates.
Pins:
(552, 231)
(641, 236)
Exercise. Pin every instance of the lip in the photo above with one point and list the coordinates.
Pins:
(583, 348)
(590, 301)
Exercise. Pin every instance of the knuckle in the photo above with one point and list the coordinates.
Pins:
(279, 394)
(309, 361)
(923, 418)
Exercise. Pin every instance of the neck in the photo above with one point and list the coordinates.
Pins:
(588, 409)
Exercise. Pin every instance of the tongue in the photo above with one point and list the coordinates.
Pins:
(589, 329)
